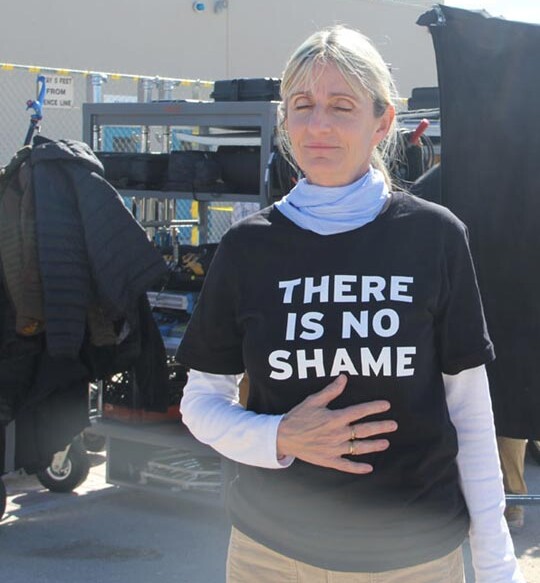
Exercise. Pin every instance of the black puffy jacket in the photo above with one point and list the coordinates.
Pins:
(91, 250)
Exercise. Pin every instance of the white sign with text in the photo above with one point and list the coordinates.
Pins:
(58, 91)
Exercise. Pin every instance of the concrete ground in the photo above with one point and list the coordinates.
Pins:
(108, 534)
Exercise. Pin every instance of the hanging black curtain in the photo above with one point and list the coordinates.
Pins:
(489, 81)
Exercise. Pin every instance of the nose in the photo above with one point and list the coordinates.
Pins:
(318, 119)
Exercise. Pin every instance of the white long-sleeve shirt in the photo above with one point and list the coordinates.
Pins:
(211, 409)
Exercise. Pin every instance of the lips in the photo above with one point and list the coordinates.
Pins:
(320, 147)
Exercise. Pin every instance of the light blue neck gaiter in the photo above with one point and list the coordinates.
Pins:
(328, 210)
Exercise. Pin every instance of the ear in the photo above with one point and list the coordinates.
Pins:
(384, 124)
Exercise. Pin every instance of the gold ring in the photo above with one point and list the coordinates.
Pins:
(353, 434)
(351, 447)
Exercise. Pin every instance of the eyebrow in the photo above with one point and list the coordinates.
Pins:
(338, 94)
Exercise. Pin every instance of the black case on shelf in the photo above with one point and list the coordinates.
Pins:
(256, 89)
(240, 167)
(191, 169)
(134, 170)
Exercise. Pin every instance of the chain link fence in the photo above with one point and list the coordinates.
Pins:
(68, 89)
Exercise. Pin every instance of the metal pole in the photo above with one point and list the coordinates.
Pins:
(144, 90)
(523, 498)
(165, 89)
(95, 87)
(196, 90)
(94, 94)
(144, 95)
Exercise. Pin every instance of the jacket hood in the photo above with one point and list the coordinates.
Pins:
(45, 150)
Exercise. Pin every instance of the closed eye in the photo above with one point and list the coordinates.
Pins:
(302, 103)
(342, 105)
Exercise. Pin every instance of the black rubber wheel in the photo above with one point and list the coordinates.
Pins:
(93, 442)
(534, 450)
(73, 474)
(3, 497)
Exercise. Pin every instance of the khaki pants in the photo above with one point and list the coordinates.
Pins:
(251, 562)
(512, 454)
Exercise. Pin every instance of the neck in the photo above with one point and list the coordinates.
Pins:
(335, 209)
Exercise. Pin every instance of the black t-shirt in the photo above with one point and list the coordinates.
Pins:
(391, 304)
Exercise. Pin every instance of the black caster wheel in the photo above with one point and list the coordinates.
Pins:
(72, 474)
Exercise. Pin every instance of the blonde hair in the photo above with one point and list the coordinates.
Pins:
(363, 68)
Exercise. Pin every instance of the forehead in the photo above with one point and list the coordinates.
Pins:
(324, 79)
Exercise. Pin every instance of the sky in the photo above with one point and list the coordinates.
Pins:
(525, 10)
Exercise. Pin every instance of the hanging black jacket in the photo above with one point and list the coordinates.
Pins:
(94, 260)
(90, 247)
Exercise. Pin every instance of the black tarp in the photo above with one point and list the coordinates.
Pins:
(489, 80)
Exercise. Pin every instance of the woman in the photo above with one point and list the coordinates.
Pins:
(356, 313)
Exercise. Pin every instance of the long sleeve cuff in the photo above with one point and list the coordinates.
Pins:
(212, 412)
(469, 405)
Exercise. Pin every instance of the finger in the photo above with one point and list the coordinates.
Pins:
(330, 392)
(364, 446)
(368, 429)
(355, 412)
(351, 467)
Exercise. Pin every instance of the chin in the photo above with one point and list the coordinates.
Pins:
(330, 179)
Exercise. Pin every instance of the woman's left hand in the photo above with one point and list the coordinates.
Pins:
(316, 434)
